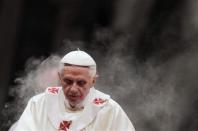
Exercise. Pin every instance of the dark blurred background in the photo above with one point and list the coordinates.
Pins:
(154, 31)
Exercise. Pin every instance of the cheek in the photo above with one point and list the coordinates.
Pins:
(65, 90)
(84, 92)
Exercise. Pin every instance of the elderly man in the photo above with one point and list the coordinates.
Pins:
(77, 105)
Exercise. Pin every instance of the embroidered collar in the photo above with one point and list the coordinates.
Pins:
(95, 101)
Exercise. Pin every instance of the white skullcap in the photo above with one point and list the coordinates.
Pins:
(78, 57)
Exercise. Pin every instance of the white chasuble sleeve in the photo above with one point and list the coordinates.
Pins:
(30, 119)
(121, 121)
(26, 121)
(111, 118)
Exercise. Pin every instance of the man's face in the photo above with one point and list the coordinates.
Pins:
(76, 82)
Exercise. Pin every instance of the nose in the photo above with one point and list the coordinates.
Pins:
(73, 88)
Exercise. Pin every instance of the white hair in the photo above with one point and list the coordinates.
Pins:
(92, 69)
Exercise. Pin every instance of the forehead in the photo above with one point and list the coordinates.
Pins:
(75, 71)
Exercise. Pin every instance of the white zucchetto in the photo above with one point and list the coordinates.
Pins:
(78, 57)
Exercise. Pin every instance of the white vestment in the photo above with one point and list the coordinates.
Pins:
(47, 112)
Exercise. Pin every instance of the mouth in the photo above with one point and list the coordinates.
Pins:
(73, 97)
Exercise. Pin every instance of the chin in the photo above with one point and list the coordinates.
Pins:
(73, 103)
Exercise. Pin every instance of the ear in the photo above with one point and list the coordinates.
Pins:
(95, 78)
(59, 76)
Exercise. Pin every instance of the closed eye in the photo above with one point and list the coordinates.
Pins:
(68, 81)
(81, 83)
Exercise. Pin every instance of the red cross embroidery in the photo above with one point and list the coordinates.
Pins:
(64, 125)
(98, 101)
(53, 90)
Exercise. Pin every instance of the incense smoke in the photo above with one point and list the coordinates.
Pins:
(39, 74)
(156, 97)
(153, 96)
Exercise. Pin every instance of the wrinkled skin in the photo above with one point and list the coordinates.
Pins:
(76, 82)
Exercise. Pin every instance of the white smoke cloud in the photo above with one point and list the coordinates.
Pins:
(156, 97)
(152, 95)
(39, 74)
